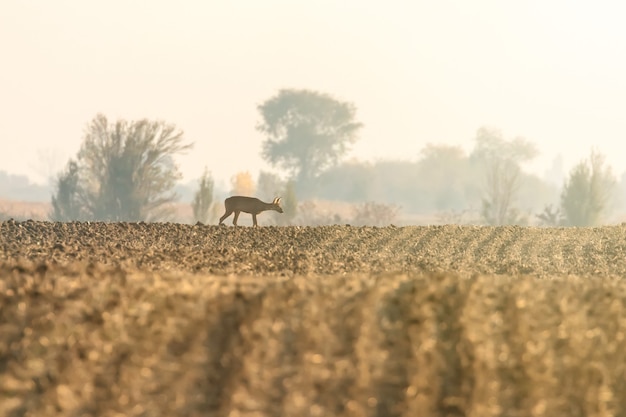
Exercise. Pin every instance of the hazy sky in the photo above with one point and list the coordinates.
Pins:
(552, 71)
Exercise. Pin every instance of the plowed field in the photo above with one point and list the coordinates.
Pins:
(170, 319)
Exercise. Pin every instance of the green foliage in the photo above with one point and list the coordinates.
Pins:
(447, 182)
(501, 161)
(203, 198)
(587, 191)
(67, 202)
(390, 181)
(306, 131)
(491, 145)
(124, 171)
(445, 175)
(269, 185)
(350, 181)
(289, 203)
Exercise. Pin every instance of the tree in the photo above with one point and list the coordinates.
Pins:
(242, 184)
(445, 173)
(67, 202)
(587, 191)
(289, 204)
(269, 185)
(125, 170)
(502, 161)
(306, 131)
(203, 198)
(350, 181)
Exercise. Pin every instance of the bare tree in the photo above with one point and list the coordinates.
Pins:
(502, 166)
(551, 216)
(125, 171)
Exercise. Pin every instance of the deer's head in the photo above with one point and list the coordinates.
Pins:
(276, 204)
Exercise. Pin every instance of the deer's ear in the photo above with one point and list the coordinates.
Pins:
(277, 200)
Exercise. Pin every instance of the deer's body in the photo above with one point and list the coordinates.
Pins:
(254, 206)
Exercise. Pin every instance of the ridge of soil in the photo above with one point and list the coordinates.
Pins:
(465, 250)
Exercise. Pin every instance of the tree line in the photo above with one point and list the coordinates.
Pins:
(126, 171)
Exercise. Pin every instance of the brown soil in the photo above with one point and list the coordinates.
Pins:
(171, 319)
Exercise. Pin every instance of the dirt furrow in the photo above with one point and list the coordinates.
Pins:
(94, 339)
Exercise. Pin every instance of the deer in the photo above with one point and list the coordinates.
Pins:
(236, 204)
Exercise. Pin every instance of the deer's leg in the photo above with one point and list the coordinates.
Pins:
(236, 217)
(254, 219)
(228, 213)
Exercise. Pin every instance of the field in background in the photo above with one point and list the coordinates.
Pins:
(313, 212)
(24, 210)
(169, 319)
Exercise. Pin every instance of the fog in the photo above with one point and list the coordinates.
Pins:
(418, 73)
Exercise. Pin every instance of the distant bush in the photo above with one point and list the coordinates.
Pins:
(289, 204)
(68, 201)
(311, 214)
(551, 216)
(587, 192)
(203, 199)
(374, 214)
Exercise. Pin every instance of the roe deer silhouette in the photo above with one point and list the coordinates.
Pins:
(237, 204)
